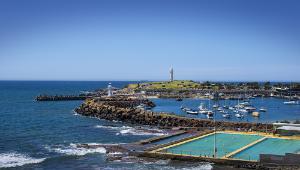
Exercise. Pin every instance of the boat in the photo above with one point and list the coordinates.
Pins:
(250, 108)
(179, 99)
(215, 106)
(231, 108)
(255, 114)
(192, 112)
(185, 109)
(262, 109)
(238, 115)
(291, 102)
(219, 109)
(226, 115)
(243, 110)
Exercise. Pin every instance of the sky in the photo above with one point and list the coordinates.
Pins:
(215, 40)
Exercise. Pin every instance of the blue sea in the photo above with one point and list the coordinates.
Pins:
(44, 135)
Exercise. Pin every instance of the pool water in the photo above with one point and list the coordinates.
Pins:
(270, 146)
(226, 143)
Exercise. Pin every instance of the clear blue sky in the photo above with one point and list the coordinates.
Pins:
(139, 40)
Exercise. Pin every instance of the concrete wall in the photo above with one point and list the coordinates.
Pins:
(287, 159)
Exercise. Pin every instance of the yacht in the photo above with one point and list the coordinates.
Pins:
(291, 102)
(192, 112)
(226, 115)
(238, 115)
(262, 109)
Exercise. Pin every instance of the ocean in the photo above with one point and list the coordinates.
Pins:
(44, 135)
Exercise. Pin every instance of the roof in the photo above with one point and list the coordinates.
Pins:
(295, 128)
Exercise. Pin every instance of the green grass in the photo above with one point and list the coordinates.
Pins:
(176, 84)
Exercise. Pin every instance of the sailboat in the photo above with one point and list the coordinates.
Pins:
(291, 102)
(262, 109)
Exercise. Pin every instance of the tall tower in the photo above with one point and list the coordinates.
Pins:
(109, 90)
(171, 74)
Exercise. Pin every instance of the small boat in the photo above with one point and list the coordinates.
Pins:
(185, 109)
(263, 109)
(219, 109)
(291, 102)
(231, 108)
(226, 115)
(243, 110)
(255, 114)
(250, 108)
(215, 106)
(238, 115)
(226, 107)
(192, 112)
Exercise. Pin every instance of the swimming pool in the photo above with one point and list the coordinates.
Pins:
(225, 142)
(275, 146)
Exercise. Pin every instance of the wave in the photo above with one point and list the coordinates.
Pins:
(73, 149)
(141, 132)
(16, 159)
(127, 130)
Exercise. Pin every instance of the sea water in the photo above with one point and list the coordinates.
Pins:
(44, 135)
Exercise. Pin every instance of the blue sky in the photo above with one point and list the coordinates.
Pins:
(233, 40)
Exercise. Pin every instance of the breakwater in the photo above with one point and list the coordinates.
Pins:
(60, 97)
(124, 110)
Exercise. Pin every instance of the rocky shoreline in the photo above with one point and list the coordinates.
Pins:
(124, 109)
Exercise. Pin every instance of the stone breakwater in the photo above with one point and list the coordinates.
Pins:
(124, 110)
(60, 97)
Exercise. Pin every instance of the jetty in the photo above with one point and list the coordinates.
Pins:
(61, 97)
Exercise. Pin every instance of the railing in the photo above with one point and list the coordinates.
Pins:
(207, 154)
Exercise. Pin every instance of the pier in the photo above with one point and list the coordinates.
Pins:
(60, 97)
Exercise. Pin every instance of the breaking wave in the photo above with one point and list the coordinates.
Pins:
(15, 159)
(73, 149)
(127, 130)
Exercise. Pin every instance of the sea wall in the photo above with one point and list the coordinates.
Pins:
(124, 110)
(60, 97)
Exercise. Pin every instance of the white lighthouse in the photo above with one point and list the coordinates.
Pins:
(109, 90)
(171, 74)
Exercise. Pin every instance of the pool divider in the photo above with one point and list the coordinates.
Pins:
(243, 148)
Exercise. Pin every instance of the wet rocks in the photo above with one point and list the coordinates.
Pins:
(123, 109)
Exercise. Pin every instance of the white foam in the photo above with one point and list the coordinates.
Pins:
(113, 127)
(72, 149)
(16, 159)
(141, 132)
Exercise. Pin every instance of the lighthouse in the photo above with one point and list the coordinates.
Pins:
(171, 74)
(109, 90)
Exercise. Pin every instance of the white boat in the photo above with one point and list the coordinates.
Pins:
(231, 108)
(243, 110)
(192, 112)
(263, 109)
(238, 115)
(292, 102)
(219, 109)
(215, 106)
(226, 115)
(250, 108)
(245, 104)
